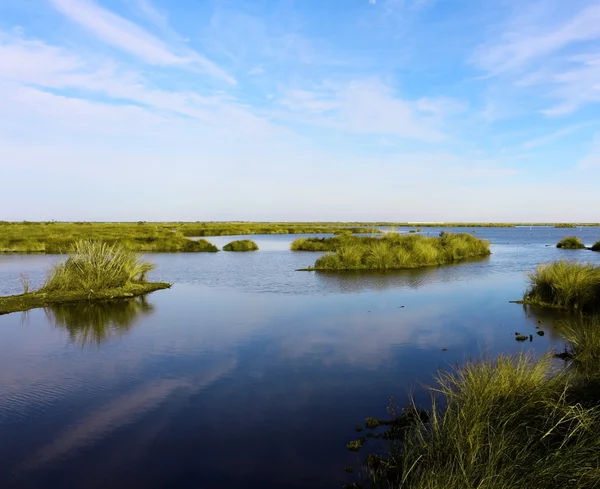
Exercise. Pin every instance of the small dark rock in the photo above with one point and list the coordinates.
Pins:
(444, 349)
(540, 333)
(521, 337)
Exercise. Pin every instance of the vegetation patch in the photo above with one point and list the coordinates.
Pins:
(596, 246)
(564, 284)
(512, 422)
(393, 251)
(567, 225)
(571, 243)
(93, 271)
(241, 245)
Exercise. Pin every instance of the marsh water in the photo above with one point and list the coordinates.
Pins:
(247, 373)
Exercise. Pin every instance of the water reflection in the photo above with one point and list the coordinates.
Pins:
(360, 280)
(95, 322)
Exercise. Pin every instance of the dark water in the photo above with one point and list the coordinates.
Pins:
(246, 374)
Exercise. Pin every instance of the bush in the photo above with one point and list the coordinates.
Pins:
(241, 245)
(97, 266)
(570, 243)
(565, 284)
(596, 246)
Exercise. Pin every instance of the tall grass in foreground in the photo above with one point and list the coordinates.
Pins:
(571, 243)
(565, 284)
(241, 245)
(97, 266)
(395, 251)
(509, 423)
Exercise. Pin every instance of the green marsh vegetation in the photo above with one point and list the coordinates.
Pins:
(55, 238)
(508, 423)
(92, 271)
(596, 246)
(564, 284)
(241, 245)
(571, 243)
(565, 225)
(392, 251)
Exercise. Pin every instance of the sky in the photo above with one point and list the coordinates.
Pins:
(350, 110)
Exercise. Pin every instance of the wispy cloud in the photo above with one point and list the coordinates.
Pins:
(558, 53)
(368, 107)
(129, 37)
(592, 159)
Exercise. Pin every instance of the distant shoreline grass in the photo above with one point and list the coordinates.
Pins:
(392, 251)
(93, 272)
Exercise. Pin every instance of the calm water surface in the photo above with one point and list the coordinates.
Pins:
(246, 374)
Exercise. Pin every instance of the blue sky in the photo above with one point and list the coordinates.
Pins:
(300, 110)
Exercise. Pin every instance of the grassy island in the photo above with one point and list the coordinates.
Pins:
(241, 245)
(564, 284)
(93, 271)
(571, 243)
(393, 251)
(596, 246)
(565, 225)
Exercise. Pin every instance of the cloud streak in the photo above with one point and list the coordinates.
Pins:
(129, 37)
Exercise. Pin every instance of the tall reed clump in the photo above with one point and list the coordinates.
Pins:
(596, 246)
(571, 243)
(97, 266)
(508, 423)
(395, 251)
(565, 284)
(241, 245)
(317, 244)
(582, 335)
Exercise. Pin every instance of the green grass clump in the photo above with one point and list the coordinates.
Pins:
(565, 225)
(508, 423)
(565, 284)
(393, 251)
(596, 246)
(241, 245)
(94, 271)
(570, 243)
(316, 244)
(94, 265)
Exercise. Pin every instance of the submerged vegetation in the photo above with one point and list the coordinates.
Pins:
(93, 271)
(564, 284)
(241, 245)
(571, 243)
(392, 251)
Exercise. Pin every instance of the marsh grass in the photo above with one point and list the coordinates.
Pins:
(508, 423)
(566, 225)
(571, 243)
(596, 246)
(392, 251)
(241, 245)
(564, 284)
(97, 266)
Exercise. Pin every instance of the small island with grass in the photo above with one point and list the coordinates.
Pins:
(241, 245)
(571, 243)
(596, 246)
(565, 285)
(94, 271)
(392, 251)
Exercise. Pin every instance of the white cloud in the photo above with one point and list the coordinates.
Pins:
(127, 36)
(30, 63)
(552, 49)
(368, 107)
